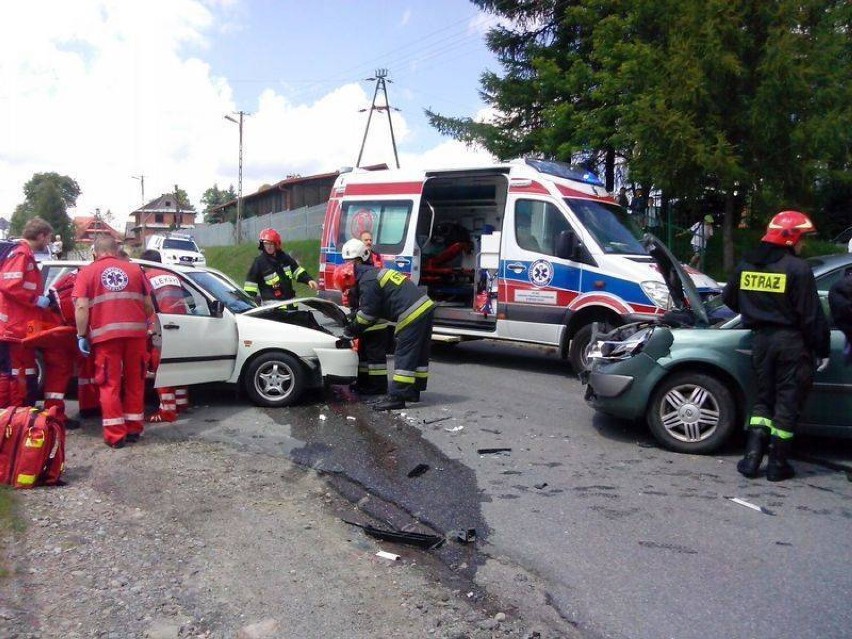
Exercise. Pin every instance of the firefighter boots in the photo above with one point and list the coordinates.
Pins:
(749, 465)
(778, 468)
(391, 402)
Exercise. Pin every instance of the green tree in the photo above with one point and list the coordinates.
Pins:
(747, 99)
(48, 195)
(213, 197)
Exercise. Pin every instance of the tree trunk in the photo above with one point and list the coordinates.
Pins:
(609, 169)
(728, 233)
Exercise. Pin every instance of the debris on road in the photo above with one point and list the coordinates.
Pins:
(421, 540)
(465, 536)
(351, 418)
(493, 451)
(541, 485)
(454, 429)
(387, 555)
(322, 417)
(748, 504)
(437, 419)
(418, 470)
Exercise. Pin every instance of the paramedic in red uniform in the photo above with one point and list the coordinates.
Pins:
(776, 294)
(21, 301)
(112, 306)
(59, 365)
(169, 297)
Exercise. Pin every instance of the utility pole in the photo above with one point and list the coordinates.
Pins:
(177, 208)
(380, 79)
(142, 215)
(239, 122)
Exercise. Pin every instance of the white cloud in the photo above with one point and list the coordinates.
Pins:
(406, 18)
(105, 90)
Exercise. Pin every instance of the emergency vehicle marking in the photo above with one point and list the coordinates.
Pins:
(763, 282)
(391, 188)
(160, 281)
(536, 296)
(114, 279)
(541, 273)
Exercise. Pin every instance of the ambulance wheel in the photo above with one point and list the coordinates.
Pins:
(275, 379)
(580, 345)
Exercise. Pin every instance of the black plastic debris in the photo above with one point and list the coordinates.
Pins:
(541, 485)
(493, 451)
(466, 536)
(418, 470)
(437, 419)
(421, 540)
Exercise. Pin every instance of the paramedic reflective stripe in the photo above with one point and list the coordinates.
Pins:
(30, 371)
(414, 311)
(113, 421)
(134, 417)
(763, 282)
(85, 381)
(30, 286)
(13, 275)
(108, 297)
(4, 317)
(54, 395)
(118, 326)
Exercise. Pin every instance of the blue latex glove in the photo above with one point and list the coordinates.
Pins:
(84, 346)
(42, 301)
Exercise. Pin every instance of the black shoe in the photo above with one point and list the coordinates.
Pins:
(391, 402)
(778, 468)
(758, 440)
(89, 412)
(71, 424)
(412, 396)
(133, 438)
(118, 444)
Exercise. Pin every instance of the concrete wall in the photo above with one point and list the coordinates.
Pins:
(299, 224)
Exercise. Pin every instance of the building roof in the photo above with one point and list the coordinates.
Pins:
(90, 225)
(164, 204)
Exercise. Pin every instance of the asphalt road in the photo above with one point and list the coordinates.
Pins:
(630, 540)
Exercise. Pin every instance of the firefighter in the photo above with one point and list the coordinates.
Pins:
(389, 295)
(273, 272)
(21, 301)
(373, 343)
(776, 293)
(169, 297)
(112, 305)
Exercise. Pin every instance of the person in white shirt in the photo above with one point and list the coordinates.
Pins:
(56, 248)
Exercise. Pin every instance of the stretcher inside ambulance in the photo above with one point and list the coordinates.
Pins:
(530, 251)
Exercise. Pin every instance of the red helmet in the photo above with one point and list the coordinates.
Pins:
(344, 276)
(270, 235)
(787, 228)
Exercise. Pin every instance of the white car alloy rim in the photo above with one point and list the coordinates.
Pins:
(689, 413)
(274, 380)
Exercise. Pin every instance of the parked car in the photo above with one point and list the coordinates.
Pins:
(694, 386)
(274, 352)
(177, 248)
(844, 240)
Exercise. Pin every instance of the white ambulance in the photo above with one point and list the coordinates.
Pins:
(529, 251)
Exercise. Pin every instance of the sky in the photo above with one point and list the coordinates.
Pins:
(107, 91)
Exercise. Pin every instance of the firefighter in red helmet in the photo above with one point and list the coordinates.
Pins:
(273, 272)
(776, 294)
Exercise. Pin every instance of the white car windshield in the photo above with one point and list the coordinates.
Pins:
(180, 245)
(234, 299)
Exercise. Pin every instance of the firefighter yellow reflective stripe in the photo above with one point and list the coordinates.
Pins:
(378, 326)
(763, 282)
(295, 274)
(272, 279)
(251, 287)
(423, 305)
(387, 275)
(780, 434)
(403, 378)
(422, 372)
(364, 319)
(378, 372)
(759, 422)
(25, 480)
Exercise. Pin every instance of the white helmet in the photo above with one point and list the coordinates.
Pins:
(355, 248)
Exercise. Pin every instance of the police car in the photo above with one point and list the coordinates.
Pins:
(273, 352)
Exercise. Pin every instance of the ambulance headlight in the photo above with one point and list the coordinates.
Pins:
(658, 293)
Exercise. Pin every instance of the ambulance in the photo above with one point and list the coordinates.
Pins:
(529, 251)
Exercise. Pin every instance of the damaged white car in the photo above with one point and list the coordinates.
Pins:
(273, 352)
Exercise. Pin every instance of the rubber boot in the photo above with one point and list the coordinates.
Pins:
(749, 465)
(778, 468)
(391, 402)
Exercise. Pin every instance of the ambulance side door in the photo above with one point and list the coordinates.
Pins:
(197, 347)
(536, 285)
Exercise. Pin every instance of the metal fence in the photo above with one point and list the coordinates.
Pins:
(298, 224)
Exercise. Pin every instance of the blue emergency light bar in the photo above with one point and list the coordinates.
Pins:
(563, 170)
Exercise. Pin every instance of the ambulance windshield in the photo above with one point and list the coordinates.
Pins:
(610, 225)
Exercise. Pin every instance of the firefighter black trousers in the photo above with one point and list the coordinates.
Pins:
(411, 360)
(784, 367)
(372, 359)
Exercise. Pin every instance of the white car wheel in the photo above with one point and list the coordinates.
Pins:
(275, 379)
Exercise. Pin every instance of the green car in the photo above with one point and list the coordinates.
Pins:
(694, 386)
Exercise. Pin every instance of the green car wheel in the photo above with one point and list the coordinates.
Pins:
(692, 413)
